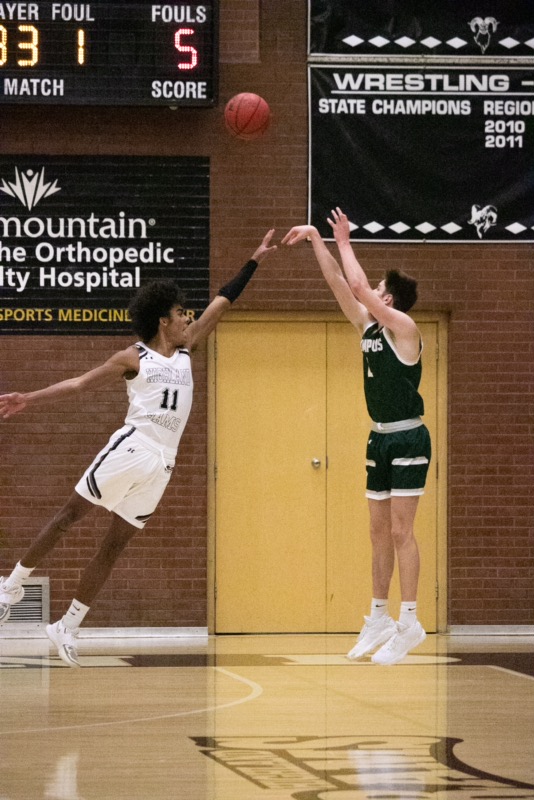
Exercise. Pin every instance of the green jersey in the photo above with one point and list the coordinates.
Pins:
(390, 385)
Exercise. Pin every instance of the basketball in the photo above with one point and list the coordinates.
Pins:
(247, 116)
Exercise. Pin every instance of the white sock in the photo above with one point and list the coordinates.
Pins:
(379, 608)
(408, 612)
(18, 575)
(75, 615)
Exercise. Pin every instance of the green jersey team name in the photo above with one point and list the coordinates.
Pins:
(371, 345)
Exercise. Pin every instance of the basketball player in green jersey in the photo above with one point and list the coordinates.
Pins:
(398, 450)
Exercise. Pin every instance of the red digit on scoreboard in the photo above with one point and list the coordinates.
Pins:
(186, 48)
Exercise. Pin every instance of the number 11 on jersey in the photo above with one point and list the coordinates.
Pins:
(165, 400)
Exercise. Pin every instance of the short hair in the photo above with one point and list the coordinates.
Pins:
(153, 301)
(402, 287)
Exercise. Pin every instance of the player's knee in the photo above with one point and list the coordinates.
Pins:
(66, 518)
(116, 541)
(401, 535)
(380, 531)
(111, 549)
(73, 511)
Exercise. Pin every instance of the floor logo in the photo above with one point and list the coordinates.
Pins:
(317, 768)
(29, 187)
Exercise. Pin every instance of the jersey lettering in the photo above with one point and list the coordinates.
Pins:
(373, 345)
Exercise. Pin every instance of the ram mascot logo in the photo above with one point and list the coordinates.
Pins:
(483, 28)
(483, 219)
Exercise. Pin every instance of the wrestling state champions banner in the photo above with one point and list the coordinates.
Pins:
(79, 235)
(414, 153)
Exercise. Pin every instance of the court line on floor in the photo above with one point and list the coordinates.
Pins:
(256, 691)
(509, 671)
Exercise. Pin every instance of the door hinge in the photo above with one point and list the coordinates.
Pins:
(437, 590)
(215, 471)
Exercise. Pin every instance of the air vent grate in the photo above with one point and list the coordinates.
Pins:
(34, 608)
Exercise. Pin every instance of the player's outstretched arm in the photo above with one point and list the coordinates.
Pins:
(119, 365)
(351, 307)
(356, 277)
(396, 321)
(205, 324)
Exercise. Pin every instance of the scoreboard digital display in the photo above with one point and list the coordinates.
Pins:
(109, 53)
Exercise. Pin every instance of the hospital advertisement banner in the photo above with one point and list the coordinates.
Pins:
(79, 235)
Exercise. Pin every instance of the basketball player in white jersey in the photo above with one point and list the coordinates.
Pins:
(130, 474)
(398, 450)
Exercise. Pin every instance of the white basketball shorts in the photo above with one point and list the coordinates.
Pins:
(128, 476)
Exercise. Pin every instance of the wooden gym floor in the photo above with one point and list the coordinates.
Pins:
(266, 718)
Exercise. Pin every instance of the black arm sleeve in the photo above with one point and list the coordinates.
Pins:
(234, 287)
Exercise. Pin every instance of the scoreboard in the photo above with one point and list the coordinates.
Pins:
(109, 52)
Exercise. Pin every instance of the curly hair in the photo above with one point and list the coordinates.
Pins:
(402, 287)
(153, 301)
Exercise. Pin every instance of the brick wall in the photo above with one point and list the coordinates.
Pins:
(487, 290)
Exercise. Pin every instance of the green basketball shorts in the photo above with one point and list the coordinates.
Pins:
(397, 463)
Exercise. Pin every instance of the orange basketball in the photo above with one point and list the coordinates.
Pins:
(247, 115)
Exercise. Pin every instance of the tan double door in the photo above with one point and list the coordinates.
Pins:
(290, 521)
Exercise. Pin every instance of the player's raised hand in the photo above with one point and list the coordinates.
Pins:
(298, 233)
(11, 404)
(340, 225)
(265, 247)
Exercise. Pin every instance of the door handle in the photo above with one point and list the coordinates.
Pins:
(316, 463)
